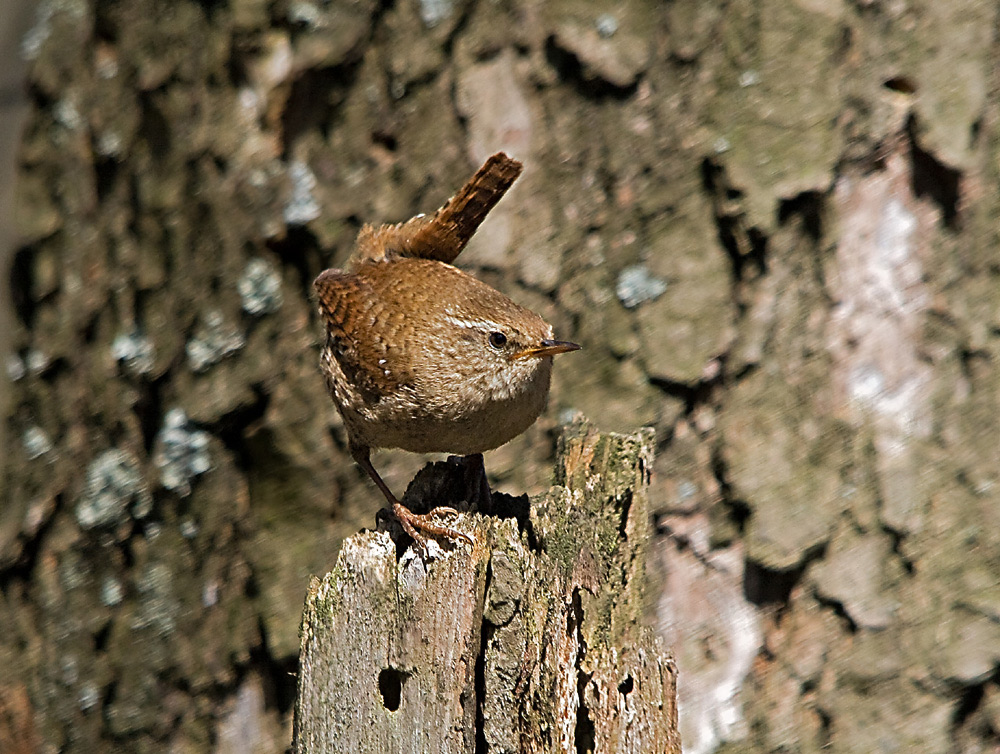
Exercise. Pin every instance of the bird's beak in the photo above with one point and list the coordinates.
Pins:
(547, 348)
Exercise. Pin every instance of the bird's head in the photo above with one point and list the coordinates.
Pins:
(500, 347)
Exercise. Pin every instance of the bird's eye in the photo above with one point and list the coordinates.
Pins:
(498, 339)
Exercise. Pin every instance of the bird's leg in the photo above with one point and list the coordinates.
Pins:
(477, 486)
(409, 520)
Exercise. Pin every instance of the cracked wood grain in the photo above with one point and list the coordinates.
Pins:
(533, 640)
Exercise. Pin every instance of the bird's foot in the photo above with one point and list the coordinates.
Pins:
(414, 523)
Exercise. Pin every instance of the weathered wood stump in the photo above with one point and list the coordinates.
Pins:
(532, 640)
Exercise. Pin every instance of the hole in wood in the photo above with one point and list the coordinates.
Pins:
(626, 686)
(390, 686)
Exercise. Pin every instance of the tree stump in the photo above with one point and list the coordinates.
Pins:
(532, 640)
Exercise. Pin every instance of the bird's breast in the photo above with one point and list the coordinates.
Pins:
(469, 416)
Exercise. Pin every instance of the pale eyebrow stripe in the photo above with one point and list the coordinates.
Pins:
(473, 324)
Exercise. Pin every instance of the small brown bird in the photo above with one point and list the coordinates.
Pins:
(422, 356)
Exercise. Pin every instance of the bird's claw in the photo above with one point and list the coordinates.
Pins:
(412, 522)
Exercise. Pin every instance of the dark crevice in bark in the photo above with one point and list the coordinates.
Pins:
(29, 551)
(384, 136)
(301, 250)
(839, 610)
(746, 246)
(626, 506)
(316, 96)
(825, 736)
(101, 637)
(932, 179)
(154, 130)
(809, 208)
(584, 734)
(21, 279)
(460, 25)
(232, 429)
(684, 391)
(318, 93)
(107, 172)
(901, 83)
(969, 701)
(969, 718)
(737, 510)
(764, 586)
(692, 394)
(743, 372)
(896, 538)
(148, 407)
(683, 543)
(626, 686)
(572, 71)
(486, 631)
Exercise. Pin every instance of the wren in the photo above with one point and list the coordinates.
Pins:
(424, 357)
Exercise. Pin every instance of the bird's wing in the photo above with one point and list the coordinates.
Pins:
(354, 318)
(443, 235)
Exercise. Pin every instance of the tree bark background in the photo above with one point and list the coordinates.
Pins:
(773, 225)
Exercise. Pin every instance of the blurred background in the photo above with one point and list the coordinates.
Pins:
(773, 225)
